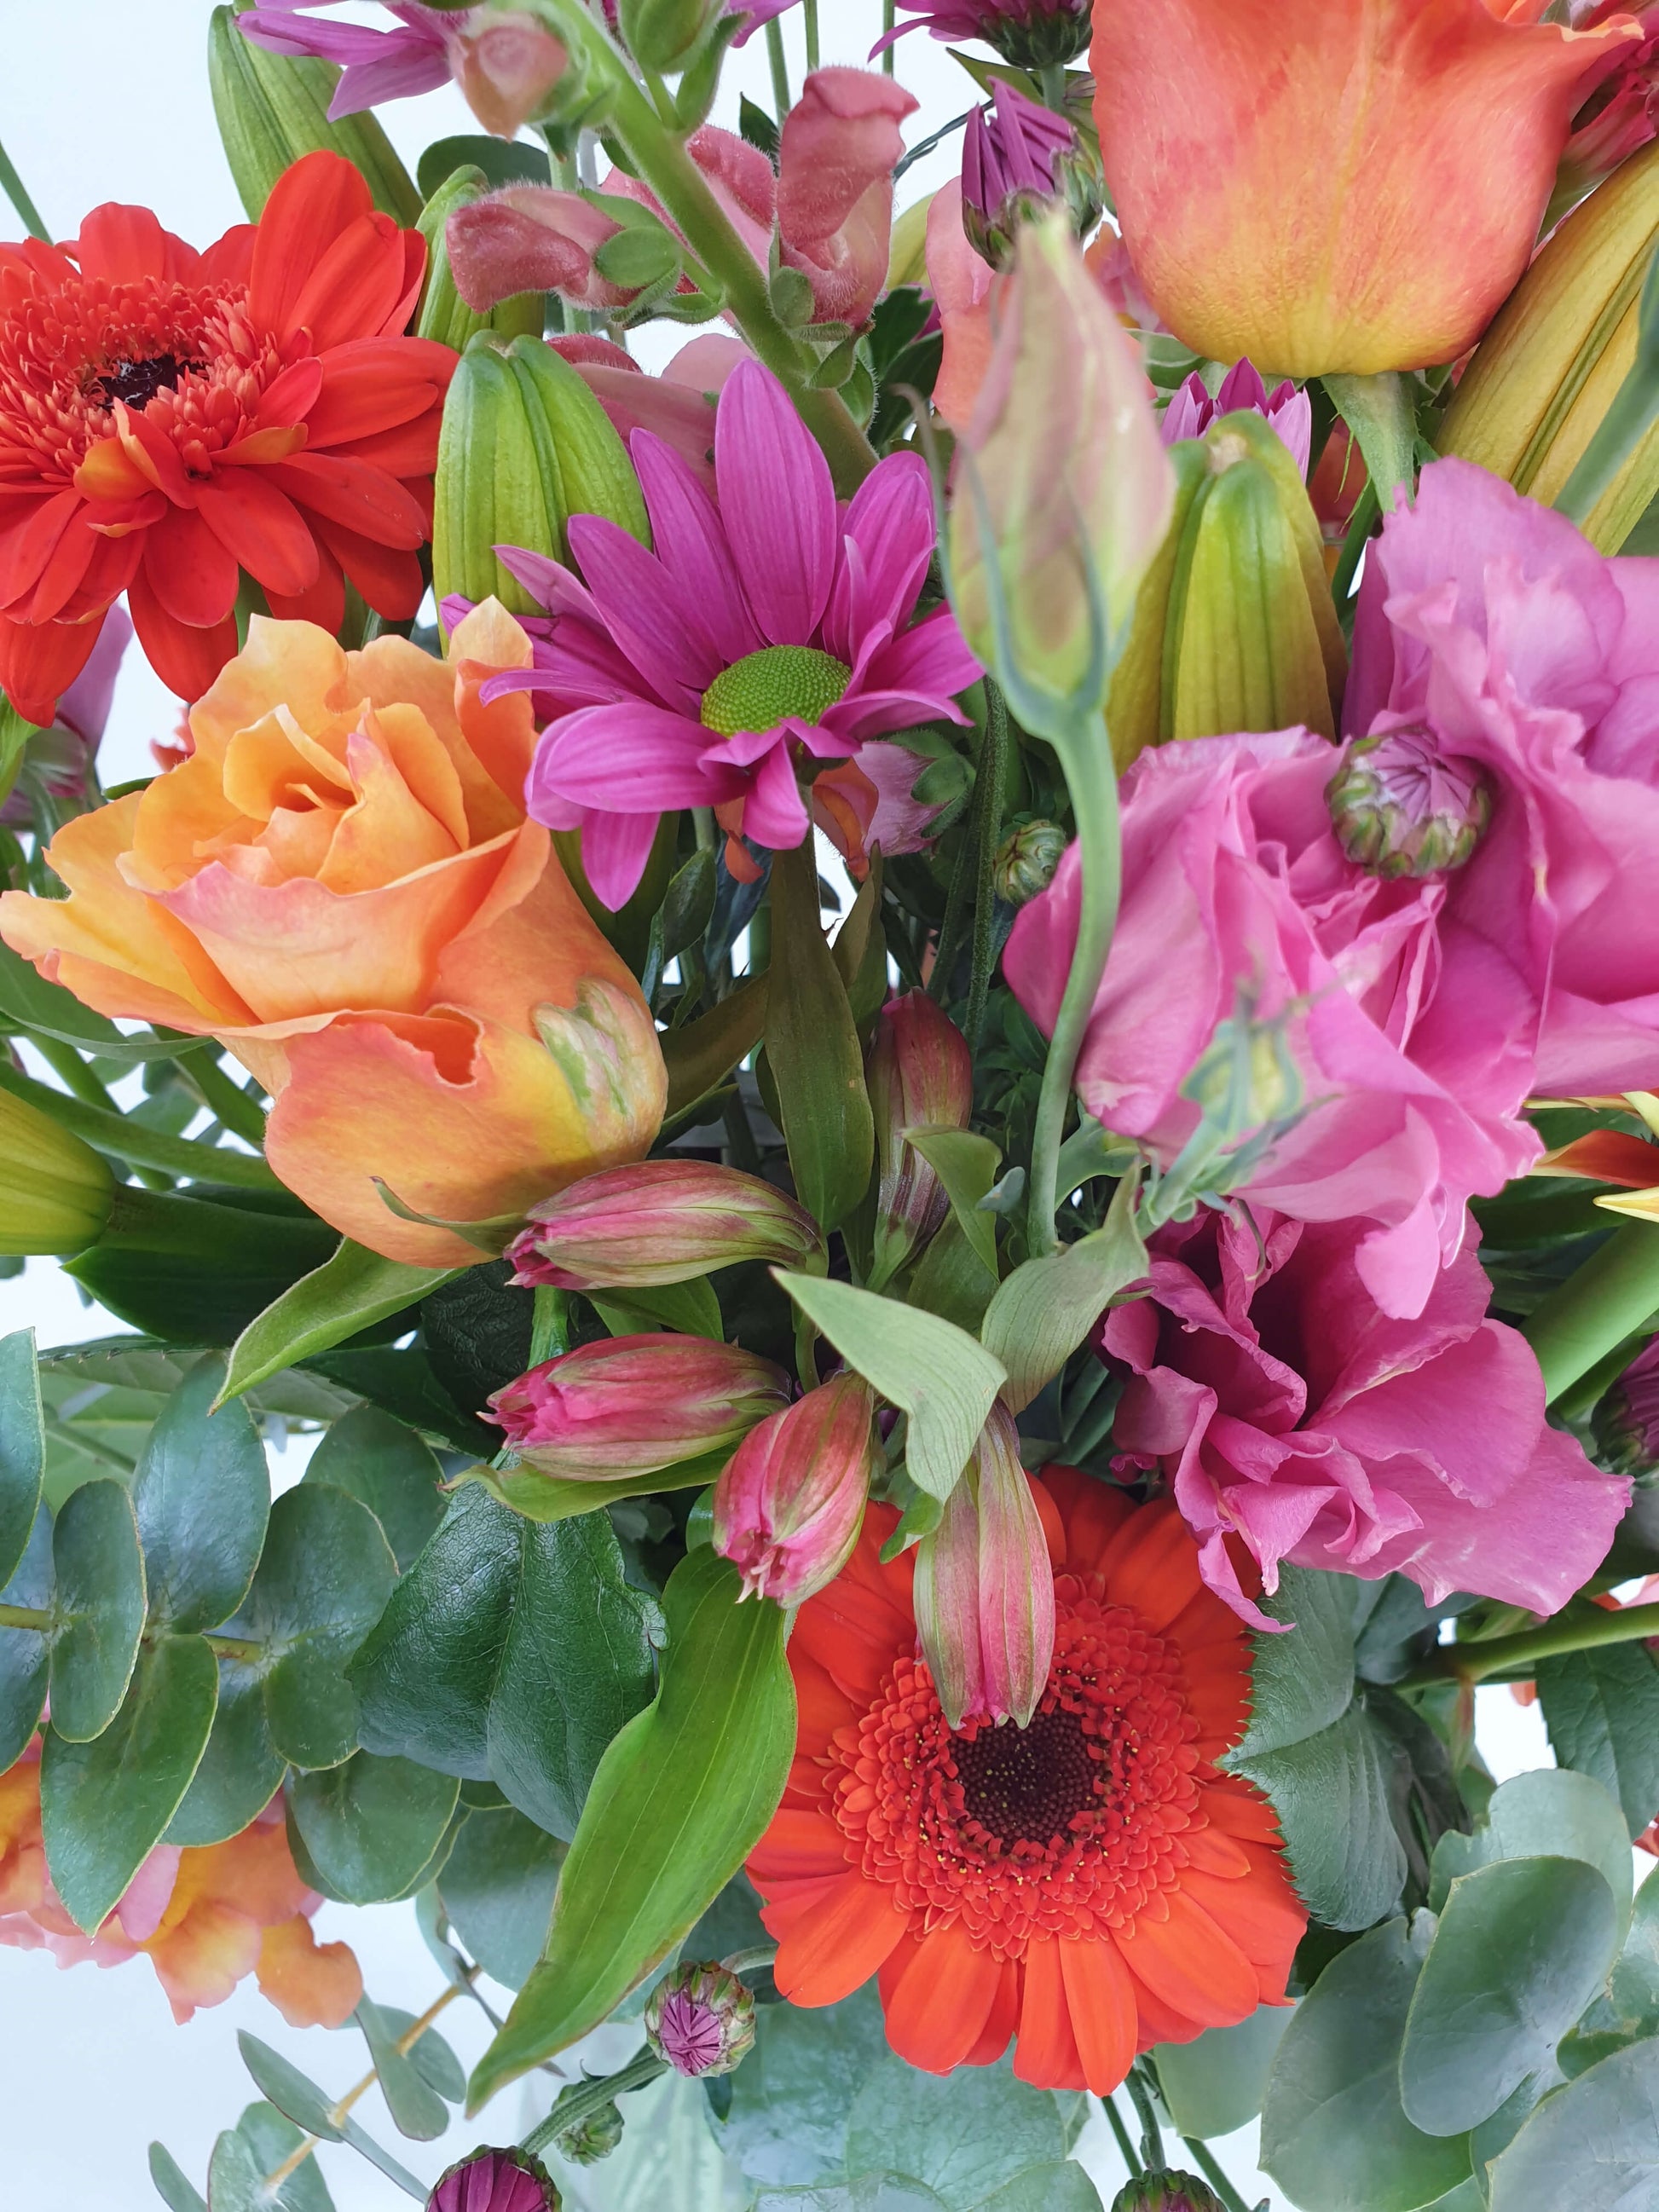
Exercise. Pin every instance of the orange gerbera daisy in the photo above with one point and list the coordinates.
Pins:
(169, 419)
(1086, 1886)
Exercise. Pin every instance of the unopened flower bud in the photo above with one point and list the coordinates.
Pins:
(56, 1192)
(1018, 160)
(1193, 408)
(495, 2181)
(1625, 1425)
(919, 1076)
(985, 1588)
(788, 1508)
(532, 238)
(661, 1221)
(591, 2139)
(1025, 862)
(700, 2019)
(664, 35)
(508, 69)
(630, 1404)
(1032, 35)
(447, 311)
(1166, 2193)
(1400, 807)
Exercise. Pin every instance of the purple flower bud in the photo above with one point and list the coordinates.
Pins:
(633, 1404)
(1194, 408)
(1627, 1422)
(495, 2181)
(1167, 2192)
(700, 2019)
(1401, 806)
(788, 1509)
(661, 1221)
(1033, 34)
(919, 1076)
(1019, 158)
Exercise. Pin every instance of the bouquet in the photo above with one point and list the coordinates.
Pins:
(921, 1030)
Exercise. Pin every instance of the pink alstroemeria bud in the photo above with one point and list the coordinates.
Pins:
(507, 67)
(495, 2181)
(661, 1221)
(840, 145)
(530, 238)
(985, 1588)
(630, 1404)
(919, 1076)
(1621, 115)
(788, 1509)
(701, 2019)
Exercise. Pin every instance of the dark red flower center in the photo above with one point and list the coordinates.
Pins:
(1028, 1785)
(137, 382)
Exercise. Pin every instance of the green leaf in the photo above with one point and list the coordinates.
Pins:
(178, 2194)
(383, 1464)
(98, 1611)
(813, 1049)
(106, 1805)
(702, 1055)
(503, 161)
(1216, 2084)
(965, 2135)
(1331, 1793)
(201, 1496)
(29, 1002)
(241, 1772)
(691, 1309)
(966, 1164)
(1601, 1708)
(952, 1281)
(1334, 2131)
(1548, 1814)
(870, 2192)
(25, 1653)
(273, 2139)
(1635, 1985)
(311, 2108)
(935, 1373)
(681, 1797)
(346, 1294)
(196, 1269)
(371, 1826)
(1302, 1680)
(688, 907)
(547, 1498)
(22, 1447)
(430, 2056)
(416, 2109)
(1520, 1950)
(323, 1584)
(1047, 1307)
(1379, 410)
(1060, 2188)
(1593, 2146)
(792, 2096)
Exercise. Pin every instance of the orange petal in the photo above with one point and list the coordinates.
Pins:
(941, 2003)
(311, 1984)
(1153, 1566)
(1262, 1914)
(1046, 2054)
(1001, 2021)
(1100, 1996)
(831, 1949)
(1093, 1513)
(200, 1961)
(798, 1846)
(1184, 1958)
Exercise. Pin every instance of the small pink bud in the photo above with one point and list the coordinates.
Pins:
(507, 69)
(661, 1221)
(700, 2019)
(530, 238)
(840, 144)
(985, 1588)
(919, 1076)
(495, 2181)
(789, 1506)
(630, 1404)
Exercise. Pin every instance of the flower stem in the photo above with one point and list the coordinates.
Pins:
(12, 185)
(549, 1327)
(1503, 1655)
(779, 64)
(887, 57)
(1108, 2106)
(1608, 1299)
(1151, 2139)
(124, 1139)
(1215, 2174)
(585, 2098)
(993, 778)
(220, 1093)
(809, 17)
(1051, 80)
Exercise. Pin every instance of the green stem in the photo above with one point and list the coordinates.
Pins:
(1151, 2139)
(222, 1095)
(888, 57)
(1094, 806)
(90, 1447)
(12, 185)
(780, 65)
(1506, 1655)
(1051, 80)
(1610, 1298)
(24, 1616)
(993, 777)
(809, 17)
(63, 1060)
(583, 2099)
(41, 1619)
(549, 1328)
(1215, 2175)
(124, 1139)
(1125, 2144)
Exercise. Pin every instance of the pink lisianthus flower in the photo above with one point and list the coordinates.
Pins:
(1411, 1035)
(1492, 624)
(769, 633)
(1193, 408)
(1295, 1421)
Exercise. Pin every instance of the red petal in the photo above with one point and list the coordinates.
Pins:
(290, 398)
(310, 205)
(125, 245)
(414, 277)
(185, 659)
(356, 285)
(26, 551)
(193, 575)
(322, 603)
(361, 499)
(229, 260)
(411, 451)
(262, 528)
(372, 385)
(392, 582)
(38, 661)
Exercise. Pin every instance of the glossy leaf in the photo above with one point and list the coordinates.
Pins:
(383, 1464)
(813, 1049)
(371, 1826)
(1216, 2084)
(201, 1496)
(104, 1805)
(1334, 2131)
(497, 1889)
(346, 1294)
(1601, 1708)
(1549, 1813)
(176, 2191)
(323, 1584)
(680, 1798)
(1520, 1950)
(98, 1609)
(1593, 2146)
(1045, 1308)
(702, 1055)
(22, 1447)
(933, 1372)
(25, 1653)
(965, 2135)
(241, 1770)
(416, 2109)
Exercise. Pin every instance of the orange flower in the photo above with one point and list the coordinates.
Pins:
(340, 884)
(205, 1919)
(1335, 185)
(1087, 1886)
(169, 419)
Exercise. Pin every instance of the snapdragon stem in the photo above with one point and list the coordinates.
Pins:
(124, 1139)
(888, 57)
(780, 65)
(810, 19)
(1108, 2106)
(12, 185)
(1610, 1298)
(1516, 1654)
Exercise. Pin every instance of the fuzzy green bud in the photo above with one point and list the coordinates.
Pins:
(1403, 807)
(443, 314)
(56, 1192)
(591, 2139)
(1026, 860)
(666, 35)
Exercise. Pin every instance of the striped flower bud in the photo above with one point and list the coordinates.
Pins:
(788, 1509)
(1400, 807)
(56, 1192)
(1166, 2193)
(661, 1221)
(701, 2019)
(919, 1076)
(495, 2181)
(630, 1404)
(1026, 862)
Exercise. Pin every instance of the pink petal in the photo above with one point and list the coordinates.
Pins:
(778, 505)
(772, 811)
(615, 849)
(627, 759)
(685, 528)
(651, 618)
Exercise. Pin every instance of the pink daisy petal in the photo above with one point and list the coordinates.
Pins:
(644, 612)
(892, 523)
(777, 503)
(772, 814)
(627, 758)
(685, 527)
(615, 850)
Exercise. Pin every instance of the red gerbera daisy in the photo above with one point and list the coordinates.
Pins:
(169, 419)
(1086, 1886)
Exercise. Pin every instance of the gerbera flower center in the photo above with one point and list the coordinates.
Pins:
(1028, 1784)
(778, 684)
(137, 382)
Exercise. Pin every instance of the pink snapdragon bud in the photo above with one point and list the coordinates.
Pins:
(661, 1221)
(1019, 158)
(840, 145)
(985, 1588)
(1193, 408)
(630, 1404)
(530, 238)
(788, 1509)
(507, 67)
(495, 2181)
(919, 1076)
(701, 2019)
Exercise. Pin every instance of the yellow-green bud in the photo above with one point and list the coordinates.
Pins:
(591, 2139)
(443, 314)
(1026, 862)
(666, 35)
(56, 1192)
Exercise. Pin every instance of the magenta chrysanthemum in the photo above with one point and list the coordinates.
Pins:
(770, 629)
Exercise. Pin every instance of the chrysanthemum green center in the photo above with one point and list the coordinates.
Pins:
(766, 688)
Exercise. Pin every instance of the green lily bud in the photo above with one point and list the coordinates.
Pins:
(1234, 627)
(272, 108)
(443, 314)
(1401, 807)
(591, 2139)
(524, 445)
(1166, 2193)
(666, 35)
(56, 1192)
(1025, 861)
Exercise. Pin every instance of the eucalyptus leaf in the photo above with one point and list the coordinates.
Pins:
(791, 2097)
(311, 2109)
(1593, 2146)
(178, 2193)
(1046, 1308)
(1063, 2187)
(273, 2139)
(498, 1887)
(346, 1294)
(1215, 2084)
(1549, 1813)
(386, 1465)
(416, 2109)
(323, 1584)
(98, 1608)
(201, 1496)
(1601, 1709)
(868, 2192)
(241, 1770)
(965, 2135)
(25, 1653)
(430, 2056)
(372, 1825)
(22, 1447)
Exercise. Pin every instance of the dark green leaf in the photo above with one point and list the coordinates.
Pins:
(703, 1052)
(497, 1889)
(1217, 2083)
(106, 1805)
(323, 1584)
(813, 1049)
(345, 1295)
(1601, 1708)
(178, 2193)
(1302, 1680)
(792, 2095)
(1548, 1814)
(1592, 2147)
(273, 2139)
(25, 1653)
(22, 1447)
(416, 2109)
(98, 1610)
(477, 1333)
(691, 1309)
(192, 1268)
(687, 909)
(385, 1465)
(202, 1495)
(680, 1798)
(502, 161)
(966, 1164)
(371, 1826)
(1332, 1795)
(400, 1381)
(965, 2135)
(1521, 1949)
(1045, 1308)
(239, 1772)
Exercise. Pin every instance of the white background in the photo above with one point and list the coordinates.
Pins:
(108, 100)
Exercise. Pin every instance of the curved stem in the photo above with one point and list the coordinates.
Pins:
(1503, 1655)
(993, 772)
(1108, 2106)
(12, 185)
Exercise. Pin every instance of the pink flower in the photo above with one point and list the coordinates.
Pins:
(494, 2181)
(630, 1405)
(661, 1221)
(788, 1508)
(767, 630)
(1411, 1037)
(530, 238)
(920, 1077)
(65, 754)
(1295, 1421)
(963, 286)
(1031, 33)
(1191, 411)
(1491, 623)
(1621, 115)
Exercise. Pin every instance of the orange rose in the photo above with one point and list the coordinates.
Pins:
(341, 885)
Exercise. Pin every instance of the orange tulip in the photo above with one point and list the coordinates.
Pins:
(341, 885)
(1336, 184)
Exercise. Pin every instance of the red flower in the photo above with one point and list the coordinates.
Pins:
(170, 419)
(1084, 1888)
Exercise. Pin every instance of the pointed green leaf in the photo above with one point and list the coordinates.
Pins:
(25, 1653)
(371, 1826)
(323, 1584)
(703, 1054)
(239, 1772)
(98, 1611)
(966, 1164)
(22, 1447)
(347, 1293)
(176, 2192)
(387, 1466)
(1379, 411)
(681, 1797)
(1601, 1709)
(813, 1049)
(1045, 1308)
(202, 1495)
(417, 2111)
(311, 2108)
